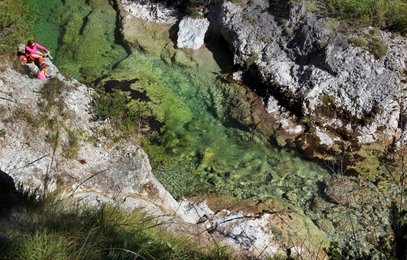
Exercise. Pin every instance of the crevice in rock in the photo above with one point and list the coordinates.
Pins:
(266, 89)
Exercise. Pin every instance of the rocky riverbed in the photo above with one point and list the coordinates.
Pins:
(335, 100)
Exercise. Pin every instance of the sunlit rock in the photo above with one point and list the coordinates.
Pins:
(191, 32)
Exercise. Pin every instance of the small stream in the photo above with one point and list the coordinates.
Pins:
(201, 148)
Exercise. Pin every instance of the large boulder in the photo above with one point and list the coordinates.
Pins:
(191, 32)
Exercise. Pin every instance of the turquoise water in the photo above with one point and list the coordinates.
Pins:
(201, 147)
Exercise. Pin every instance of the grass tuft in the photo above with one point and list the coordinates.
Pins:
(54, 230)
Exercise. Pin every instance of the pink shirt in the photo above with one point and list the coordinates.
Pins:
(33, 50)
(41, 75)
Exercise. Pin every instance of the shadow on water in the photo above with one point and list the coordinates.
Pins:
(124, 85)
(221, 53)
(118, 37)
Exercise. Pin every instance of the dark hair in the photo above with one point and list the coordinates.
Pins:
(30, 42)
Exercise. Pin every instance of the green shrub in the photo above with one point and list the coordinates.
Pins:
(126, 113)
(51, 92)
(378, 48)
(359, 42)
(108, 105)
(373, 42)
(379, 13)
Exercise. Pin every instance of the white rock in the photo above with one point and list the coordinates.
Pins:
(152, 12)
(324, 138)
(272, 105)
(191, 32)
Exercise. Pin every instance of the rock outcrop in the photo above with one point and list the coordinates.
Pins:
(51, 139)
(342, 93)
(151, 12)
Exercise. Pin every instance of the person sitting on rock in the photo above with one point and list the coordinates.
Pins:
(43, 72)
(33, 54)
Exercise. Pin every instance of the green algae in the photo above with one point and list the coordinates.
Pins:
(81, 35)
(200, 150)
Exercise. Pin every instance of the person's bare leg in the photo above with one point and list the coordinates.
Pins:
(36, 56)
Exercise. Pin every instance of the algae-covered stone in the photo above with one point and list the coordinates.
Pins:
(146, 36)
(72, 28)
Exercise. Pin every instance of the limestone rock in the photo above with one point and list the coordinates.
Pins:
(191, 32)
(114, 171)
(316, 71)
(152, 12)
(258, 229)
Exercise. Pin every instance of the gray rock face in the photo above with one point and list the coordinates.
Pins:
(35, 153)
(152, 12)
(258, 231)
(191, 32)
(318, 72)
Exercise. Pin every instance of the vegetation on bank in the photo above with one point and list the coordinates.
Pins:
(384, 14)
(47, 228)
(15, 24)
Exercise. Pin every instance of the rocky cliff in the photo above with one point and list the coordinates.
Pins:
(49, 138)
(342, 92)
